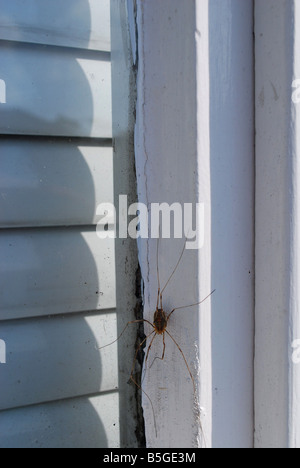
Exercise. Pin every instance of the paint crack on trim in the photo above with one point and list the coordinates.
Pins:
(141, 75)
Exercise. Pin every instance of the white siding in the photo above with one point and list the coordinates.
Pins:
(55, 91)
(57, 271)
(55, 358)
(57, 278)
(277, 371)
(71, 23)
(74, 423)
(39, 181)
(195, 143)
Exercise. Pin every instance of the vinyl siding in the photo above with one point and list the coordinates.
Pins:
(57, 279)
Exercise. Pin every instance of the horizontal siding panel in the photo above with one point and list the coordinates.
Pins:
(71, 23)
(76, 423)
(55, 271)
(56, 358)
(45, 183)
(52, 91)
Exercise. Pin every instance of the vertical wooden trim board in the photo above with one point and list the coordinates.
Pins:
(277, 373)
(194, 142)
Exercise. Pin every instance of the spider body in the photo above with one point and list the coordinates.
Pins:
(160, 321)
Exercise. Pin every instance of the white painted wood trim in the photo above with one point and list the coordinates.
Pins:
(166, 138)
(232, 193)
(277, 372)
(294, 332)
(185, 79)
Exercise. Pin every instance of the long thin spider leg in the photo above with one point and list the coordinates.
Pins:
(149, 347)
(158, 296)
(191, 305)
(163, 353)
(194, 385)
(129, 323)
(164, 348)
(152, 408)
(137, 350)
(135, 382)
(173, 272)
(157, 269)
(147, 355)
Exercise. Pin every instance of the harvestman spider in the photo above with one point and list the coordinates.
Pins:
(159, 325)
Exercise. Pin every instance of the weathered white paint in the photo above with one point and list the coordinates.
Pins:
(165, 141)
(194, 143)
(39, 181)
(55, 91)
(82, 24)
(277, 379)
(86, 422)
